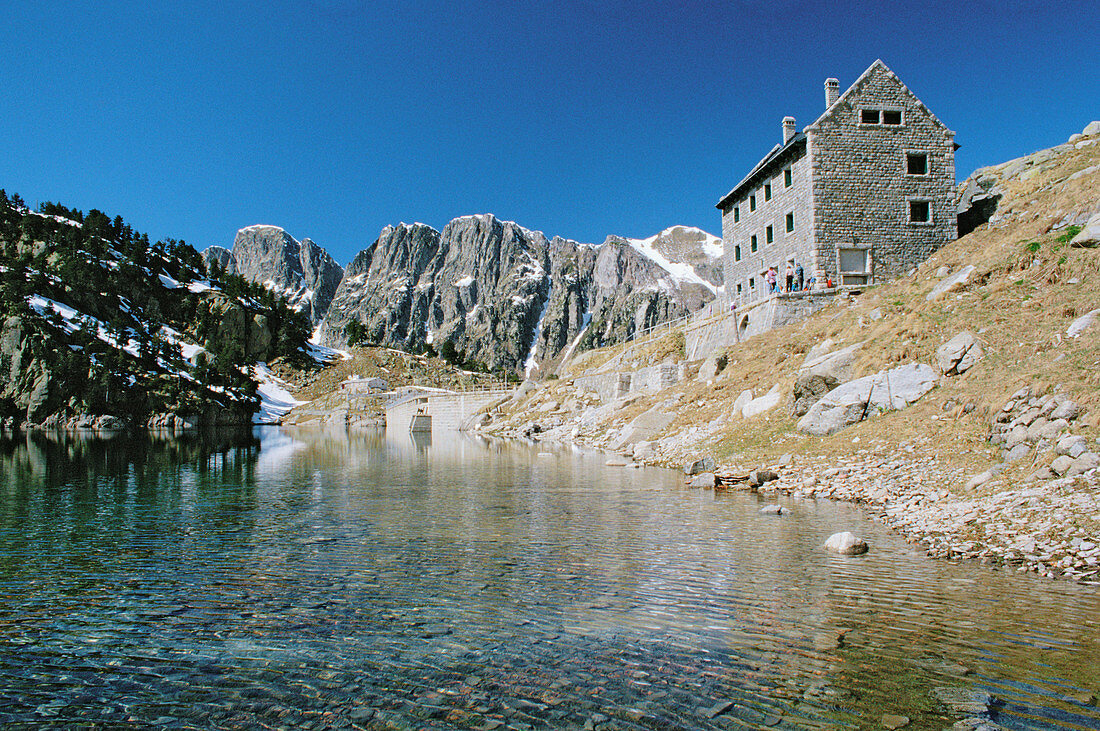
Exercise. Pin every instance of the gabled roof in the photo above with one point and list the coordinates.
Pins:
(785, 152)
(778, 155)
(878, 65)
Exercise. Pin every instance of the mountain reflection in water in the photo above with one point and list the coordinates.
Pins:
(365, 579)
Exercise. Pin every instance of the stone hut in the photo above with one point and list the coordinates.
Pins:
(863, 194)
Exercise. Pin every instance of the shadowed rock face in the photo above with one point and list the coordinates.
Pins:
(302, 271)
(503, 295)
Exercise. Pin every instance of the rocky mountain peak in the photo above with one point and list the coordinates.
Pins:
(303, 271)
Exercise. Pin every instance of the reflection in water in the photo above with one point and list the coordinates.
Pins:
(386, 580)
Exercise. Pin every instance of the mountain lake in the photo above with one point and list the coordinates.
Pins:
(297, 579)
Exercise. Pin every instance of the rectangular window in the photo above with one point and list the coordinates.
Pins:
(752, 203)
(916, 163)
(737, 253)
(752, 283)
(868, 116)
(736, 214)
(790, 222)
(788, 178)
(891, 117)
(767, 191)
(752, 242)
(769, 235)
(919, 212)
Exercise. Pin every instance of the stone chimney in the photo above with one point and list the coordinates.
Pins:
(832, 92)
(788, 129)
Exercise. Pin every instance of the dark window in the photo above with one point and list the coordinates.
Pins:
(788, 178)
(737, 253)
(916, 163)
(790, 222)
(767, 191)
(752, 243)
(738, 288)
(868, 116)
(769, 234)
(752, 283)
(889, 117)
(736, 215)
(918, 211)
(752, 203)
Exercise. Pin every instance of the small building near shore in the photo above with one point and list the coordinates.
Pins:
(863, 194)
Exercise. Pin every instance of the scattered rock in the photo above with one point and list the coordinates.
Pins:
(774, 510)
(846, 544)
(950, 284)
(978, 480)
(892, 722)
(761, 477)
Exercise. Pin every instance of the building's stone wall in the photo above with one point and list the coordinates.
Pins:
(797, 246)
(861, 188)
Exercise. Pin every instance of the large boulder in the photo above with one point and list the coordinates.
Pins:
(644, 427)
(959, 354)
(846, 544)
(863, 397)
(821, 374)
(1090, 235)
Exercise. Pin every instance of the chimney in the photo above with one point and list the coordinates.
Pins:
(832, 92)
(788, 129)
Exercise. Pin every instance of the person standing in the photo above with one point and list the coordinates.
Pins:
(798, 275)
(769, 278)
(789, 276)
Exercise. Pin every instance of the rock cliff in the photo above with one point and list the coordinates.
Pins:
(301, 271)
(501, 296)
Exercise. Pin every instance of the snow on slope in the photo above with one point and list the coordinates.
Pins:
(681, 272)
(275, 400)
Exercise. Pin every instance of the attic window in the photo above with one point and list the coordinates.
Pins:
(916, 163)
(788, 178)
(868, 116)
(919, 212)
(891, 117)
(752, 203)
(767, 191)
(736, 214)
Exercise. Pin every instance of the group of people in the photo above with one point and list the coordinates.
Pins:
(794, 279)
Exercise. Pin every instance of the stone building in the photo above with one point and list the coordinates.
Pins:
(863, 194)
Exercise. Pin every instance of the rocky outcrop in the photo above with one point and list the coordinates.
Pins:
(302, 271)
(505, 297)
(26, 389)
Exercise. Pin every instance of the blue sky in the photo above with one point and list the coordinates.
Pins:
(334, 118)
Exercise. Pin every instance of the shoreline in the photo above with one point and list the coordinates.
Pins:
(1023, 526)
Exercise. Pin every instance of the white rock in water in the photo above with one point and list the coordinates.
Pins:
(846, 544)
(773, 510)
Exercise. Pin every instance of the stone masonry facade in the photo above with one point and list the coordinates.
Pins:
(862, 195)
